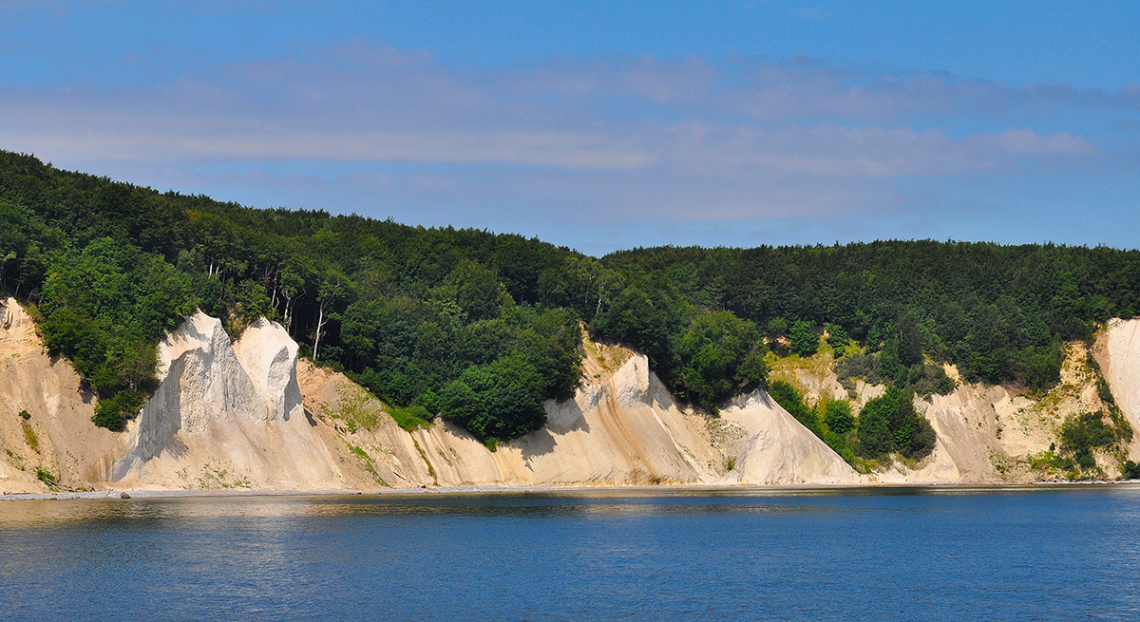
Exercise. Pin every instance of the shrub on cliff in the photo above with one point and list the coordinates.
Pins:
(792, 401)
(1085, 434)
(890, 424)
(719, 355)
(499, 401)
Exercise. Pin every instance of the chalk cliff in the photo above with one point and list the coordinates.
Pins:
(622, 427)
(225, 415)
(249, 414)
(1118, 352)
(57, 442)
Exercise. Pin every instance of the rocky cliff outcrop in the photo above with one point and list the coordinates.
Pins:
(777, 449)
(248, 414)
(57, 442)
(1118, 352)
(622, 427)
(989, 434)
(225, 416)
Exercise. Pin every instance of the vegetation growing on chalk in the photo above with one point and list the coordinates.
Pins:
(923, 378)
(890, 424)
(30, 438)
(1083, 436)
(887, 425)
(482, 328)
(47, 477)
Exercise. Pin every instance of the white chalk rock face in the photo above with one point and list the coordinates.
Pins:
(1122, 371)
(621, 428)
(779, 449)
(225, 416)
(201, 382)
(201, 379)
(58, 435)
(269, 356)
(1119, 358)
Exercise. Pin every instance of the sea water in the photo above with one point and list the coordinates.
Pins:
(1039, 553)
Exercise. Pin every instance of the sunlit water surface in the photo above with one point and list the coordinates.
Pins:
(1065, 553)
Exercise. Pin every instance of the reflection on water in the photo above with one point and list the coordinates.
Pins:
(896, 553)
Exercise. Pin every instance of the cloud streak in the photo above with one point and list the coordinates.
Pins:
(610, 141)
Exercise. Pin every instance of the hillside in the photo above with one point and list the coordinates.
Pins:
(249, 415)
(491, 333)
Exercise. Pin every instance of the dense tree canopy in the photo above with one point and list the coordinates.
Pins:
(999, 312)
(481, 328)
(890, 424)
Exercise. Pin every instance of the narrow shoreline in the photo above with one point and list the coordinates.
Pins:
(569, 488)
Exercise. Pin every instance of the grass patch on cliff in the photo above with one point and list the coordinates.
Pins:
(367, 463)
(19, 460)
(410, 418)
(47, 477)
(30, 437)
(1050, 462)
(359, 409)
(356, 408)
(220, 479)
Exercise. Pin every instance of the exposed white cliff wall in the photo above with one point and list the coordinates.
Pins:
(221, 420)
(777, 449)
(988, 434)
(1118, 353)
(58, 437)
(269, 355)
(248, 414)
(622, 427)
(991, 434)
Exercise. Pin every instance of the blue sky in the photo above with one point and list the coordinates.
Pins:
(604, 125)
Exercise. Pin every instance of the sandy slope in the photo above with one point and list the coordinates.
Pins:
(65, 443)
(1118, 352)
(622, 427)
(777, 449)
(249, 415)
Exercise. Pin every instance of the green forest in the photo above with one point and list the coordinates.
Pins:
(482, 328)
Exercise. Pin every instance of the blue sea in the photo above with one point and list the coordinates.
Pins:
(1038, 553)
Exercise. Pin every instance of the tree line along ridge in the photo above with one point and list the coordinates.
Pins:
(482, 328)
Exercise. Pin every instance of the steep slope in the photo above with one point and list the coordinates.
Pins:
(213, 424)
(990, 434)
(1118, 353)
(58, 437)
(777, 449)
(622, 427)
(250, 415)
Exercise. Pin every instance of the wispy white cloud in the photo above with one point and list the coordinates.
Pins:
(570, 140)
